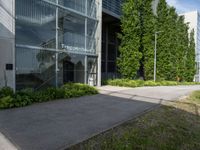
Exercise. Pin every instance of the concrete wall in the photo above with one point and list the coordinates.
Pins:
(7, 42)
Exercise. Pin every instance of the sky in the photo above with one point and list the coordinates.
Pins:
(183, 6)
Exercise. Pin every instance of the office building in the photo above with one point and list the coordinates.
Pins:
(51, 42)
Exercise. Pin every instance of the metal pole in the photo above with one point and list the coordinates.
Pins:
(155, 57)
(56, 58)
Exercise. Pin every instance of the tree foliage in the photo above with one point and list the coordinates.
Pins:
(130, 55)
(190, 59)
(175, 50)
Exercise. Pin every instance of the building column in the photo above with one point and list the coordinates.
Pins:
(7, 44)
(99, 39)
(56, 58)
(86, 30)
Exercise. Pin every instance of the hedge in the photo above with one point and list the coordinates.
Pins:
(141, 83)
(9, 99)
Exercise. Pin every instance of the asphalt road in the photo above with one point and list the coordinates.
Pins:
(59, 124)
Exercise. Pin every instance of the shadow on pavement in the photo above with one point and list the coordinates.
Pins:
(60, 124)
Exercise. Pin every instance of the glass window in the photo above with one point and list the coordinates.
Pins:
(71, 31)
(103, 52)
(36, 42)
(111, 67)
(71, 68)
(103, 66)
(35, 23)
(112, 52)
(112, 35)
(36, 69)
(91, 8)
(113, 6)
(91, 33)
(78, 5)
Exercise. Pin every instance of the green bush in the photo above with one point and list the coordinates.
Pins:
(6, 102)
(21, 100)
(151, 83)
(140, 83)
(28, 96)
(6, 91)
(79, 89)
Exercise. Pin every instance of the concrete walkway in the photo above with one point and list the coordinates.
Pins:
(59, 124)
(150, 94)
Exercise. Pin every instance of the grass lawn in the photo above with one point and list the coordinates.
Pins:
(173, 126)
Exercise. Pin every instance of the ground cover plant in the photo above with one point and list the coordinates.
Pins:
(141, 83)
(173, 126)
(9, 99)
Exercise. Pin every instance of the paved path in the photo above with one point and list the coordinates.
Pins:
(152, 94)
(59, 124)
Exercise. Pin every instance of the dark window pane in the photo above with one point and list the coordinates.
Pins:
(112, 52)
(103, 51)
(36, 69)
(103, 66)
(111, 67)
(72, 68)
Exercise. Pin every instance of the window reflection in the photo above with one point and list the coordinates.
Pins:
(35, 23)
(71, 68)
(36, 42)
(35, 68)
(71, 31)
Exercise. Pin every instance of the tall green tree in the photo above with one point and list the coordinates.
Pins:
(148, 40)
(166, 23)
(130, 54)
(137, 37)
(182, 43)
(190, 59)
(175, 50)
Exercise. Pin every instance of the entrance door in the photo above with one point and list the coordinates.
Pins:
(68, 72)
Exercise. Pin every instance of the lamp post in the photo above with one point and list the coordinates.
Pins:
(155, 55)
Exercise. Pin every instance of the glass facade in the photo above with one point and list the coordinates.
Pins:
(110, 45)
(55, 42)
(112, 11)
(113, 6)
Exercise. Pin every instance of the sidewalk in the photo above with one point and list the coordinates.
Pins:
(59, 124)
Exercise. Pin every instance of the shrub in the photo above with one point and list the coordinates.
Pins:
(6, 102)
(28, 96)
(140, 83)
(151, 83)
(21, 100)
(6, 91)
(60, 93)
(78, 88)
